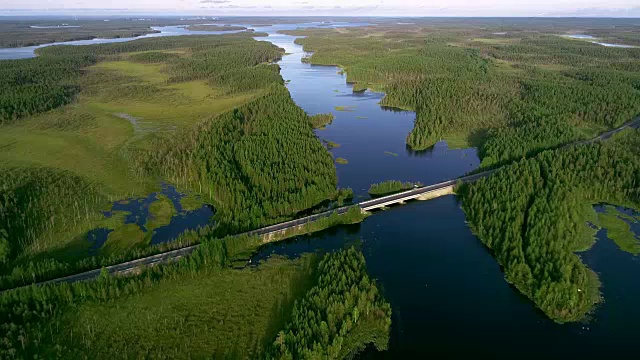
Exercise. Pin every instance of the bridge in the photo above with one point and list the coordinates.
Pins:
(270, 232)
(421, 193)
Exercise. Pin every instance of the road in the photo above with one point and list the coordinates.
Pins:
(173, 255)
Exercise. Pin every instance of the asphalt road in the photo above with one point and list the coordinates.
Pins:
(172, 255)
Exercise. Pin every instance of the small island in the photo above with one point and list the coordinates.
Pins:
(321, 120)
(390, 187)
(341, 161)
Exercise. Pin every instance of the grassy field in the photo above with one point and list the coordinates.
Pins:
(165, 106)
(90, 136)
(230, 314)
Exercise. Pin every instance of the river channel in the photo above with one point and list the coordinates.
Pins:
(448, 294)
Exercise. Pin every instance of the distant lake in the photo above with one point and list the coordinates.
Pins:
(580, 36)
(615, 45)
(589, 37)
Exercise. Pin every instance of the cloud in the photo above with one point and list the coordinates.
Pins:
(214, 1)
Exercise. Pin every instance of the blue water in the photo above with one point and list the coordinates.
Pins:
(97, 238)
(615, 45)
(450, 299)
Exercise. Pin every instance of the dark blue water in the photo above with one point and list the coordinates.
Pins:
(137, 210)
(183, 221)
(449, 297)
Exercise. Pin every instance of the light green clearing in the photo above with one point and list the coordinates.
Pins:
(92, 136)
(345, 108)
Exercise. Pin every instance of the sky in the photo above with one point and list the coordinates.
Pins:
(606, 8)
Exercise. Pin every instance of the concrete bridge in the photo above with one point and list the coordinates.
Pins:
(421, 193)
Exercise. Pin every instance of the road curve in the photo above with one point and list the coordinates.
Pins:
(173, 255)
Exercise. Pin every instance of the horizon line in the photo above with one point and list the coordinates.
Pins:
(12, 12)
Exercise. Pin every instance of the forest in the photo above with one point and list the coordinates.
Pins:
(511, 91)
(89, 315)
(218, 124)
(339, 316)
(253, 158)
(536, 214)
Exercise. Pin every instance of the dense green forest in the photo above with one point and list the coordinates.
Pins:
(534, 216)
(32, 86)
(87, 315)
(34, 202)
(253, 159)
(218, 123)
(339, 316)
(512, 93)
